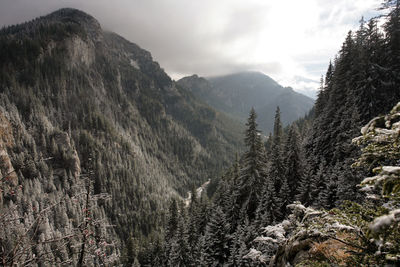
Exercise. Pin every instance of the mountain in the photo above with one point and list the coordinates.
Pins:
(236, 94)
(323, 193)
(85, 112)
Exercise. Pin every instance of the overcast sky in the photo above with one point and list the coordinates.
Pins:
(292, 41)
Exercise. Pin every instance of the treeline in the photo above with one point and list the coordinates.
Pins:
(313, 167)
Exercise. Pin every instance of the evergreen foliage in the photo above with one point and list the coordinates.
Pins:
(311, 160)
(70, 92)
(60, 113)
(253, 168)
(216, 240)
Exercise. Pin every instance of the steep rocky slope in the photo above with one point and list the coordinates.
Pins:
(78, 103)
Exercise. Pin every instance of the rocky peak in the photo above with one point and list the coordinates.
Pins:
(75, 16)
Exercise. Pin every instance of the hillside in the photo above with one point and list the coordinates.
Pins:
(326, 192)
(236, 94)
(84, 108)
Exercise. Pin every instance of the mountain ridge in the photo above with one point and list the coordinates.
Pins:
(88, 98)
(237, 93)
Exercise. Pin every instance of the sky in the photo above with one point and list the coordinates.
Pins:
(292, 41)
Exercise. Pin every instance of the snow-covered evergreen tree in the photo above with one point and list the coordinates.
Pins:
(269, 208)
(293, 162)
(216, 240)
(253, 169)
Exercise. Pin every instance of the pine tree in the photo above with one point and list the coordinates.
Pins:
(392, 57)
(171, 227)
(172, 221)
(193, 228)
(347, 183)
(179, 254)
(318, 183)
(293, 162)
(371, 73)
(239, 247)
(234, 207)
(269, 209)
(328, 196)
(304, 188)
(285, 197)
(276, 169)
(252, 173)
(215, 246)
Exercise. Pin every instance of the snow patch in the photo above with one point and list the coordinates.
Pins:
(391, 169)
(134, 64)
(340, 226)
(255, 255)
(383, 222)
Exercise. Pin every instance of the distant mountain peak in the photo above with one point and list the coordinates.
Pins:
(254, 78)
(75, 16)
(236, 93)
(72, 13)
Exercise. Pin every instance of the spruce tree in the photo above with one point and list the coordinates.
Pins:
(239, 247)
(216, 241)
(171, 227)
(269, 209)
(253, 171)
(368, 91)
(234, 208)
(318, 183)
(172, 221)
(179, 254)
(268, 145)
(392, 49)
(285, 197)
(293, 162)
(276, 168)
(304, 188)
(193, 230)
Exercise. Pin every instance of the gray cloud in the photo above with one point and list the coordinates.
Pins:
(217, 37)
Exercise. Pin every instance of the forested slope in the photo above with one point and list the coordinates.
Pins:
(86, 112)
(235, 94)
(296, 198)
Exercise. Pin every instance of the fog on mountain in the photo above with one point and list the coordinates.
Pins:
(99, 148)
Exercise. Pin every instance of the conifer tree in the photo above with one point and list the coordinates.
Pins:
(293, 162)
(368, 91)
(328, 195)
(193, 227)
(234, 208)
(318, 183)
(171, 227)
(304, 188)
(179, 254)
(252, 173)
(238, 248)
(276, 168)
(269, 209)
(172, 220)
(268, 145)
(392, 53)
(285, 197)
(215, 246)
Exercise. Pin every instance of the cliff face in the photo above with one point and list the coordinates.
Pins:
(78, 104)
